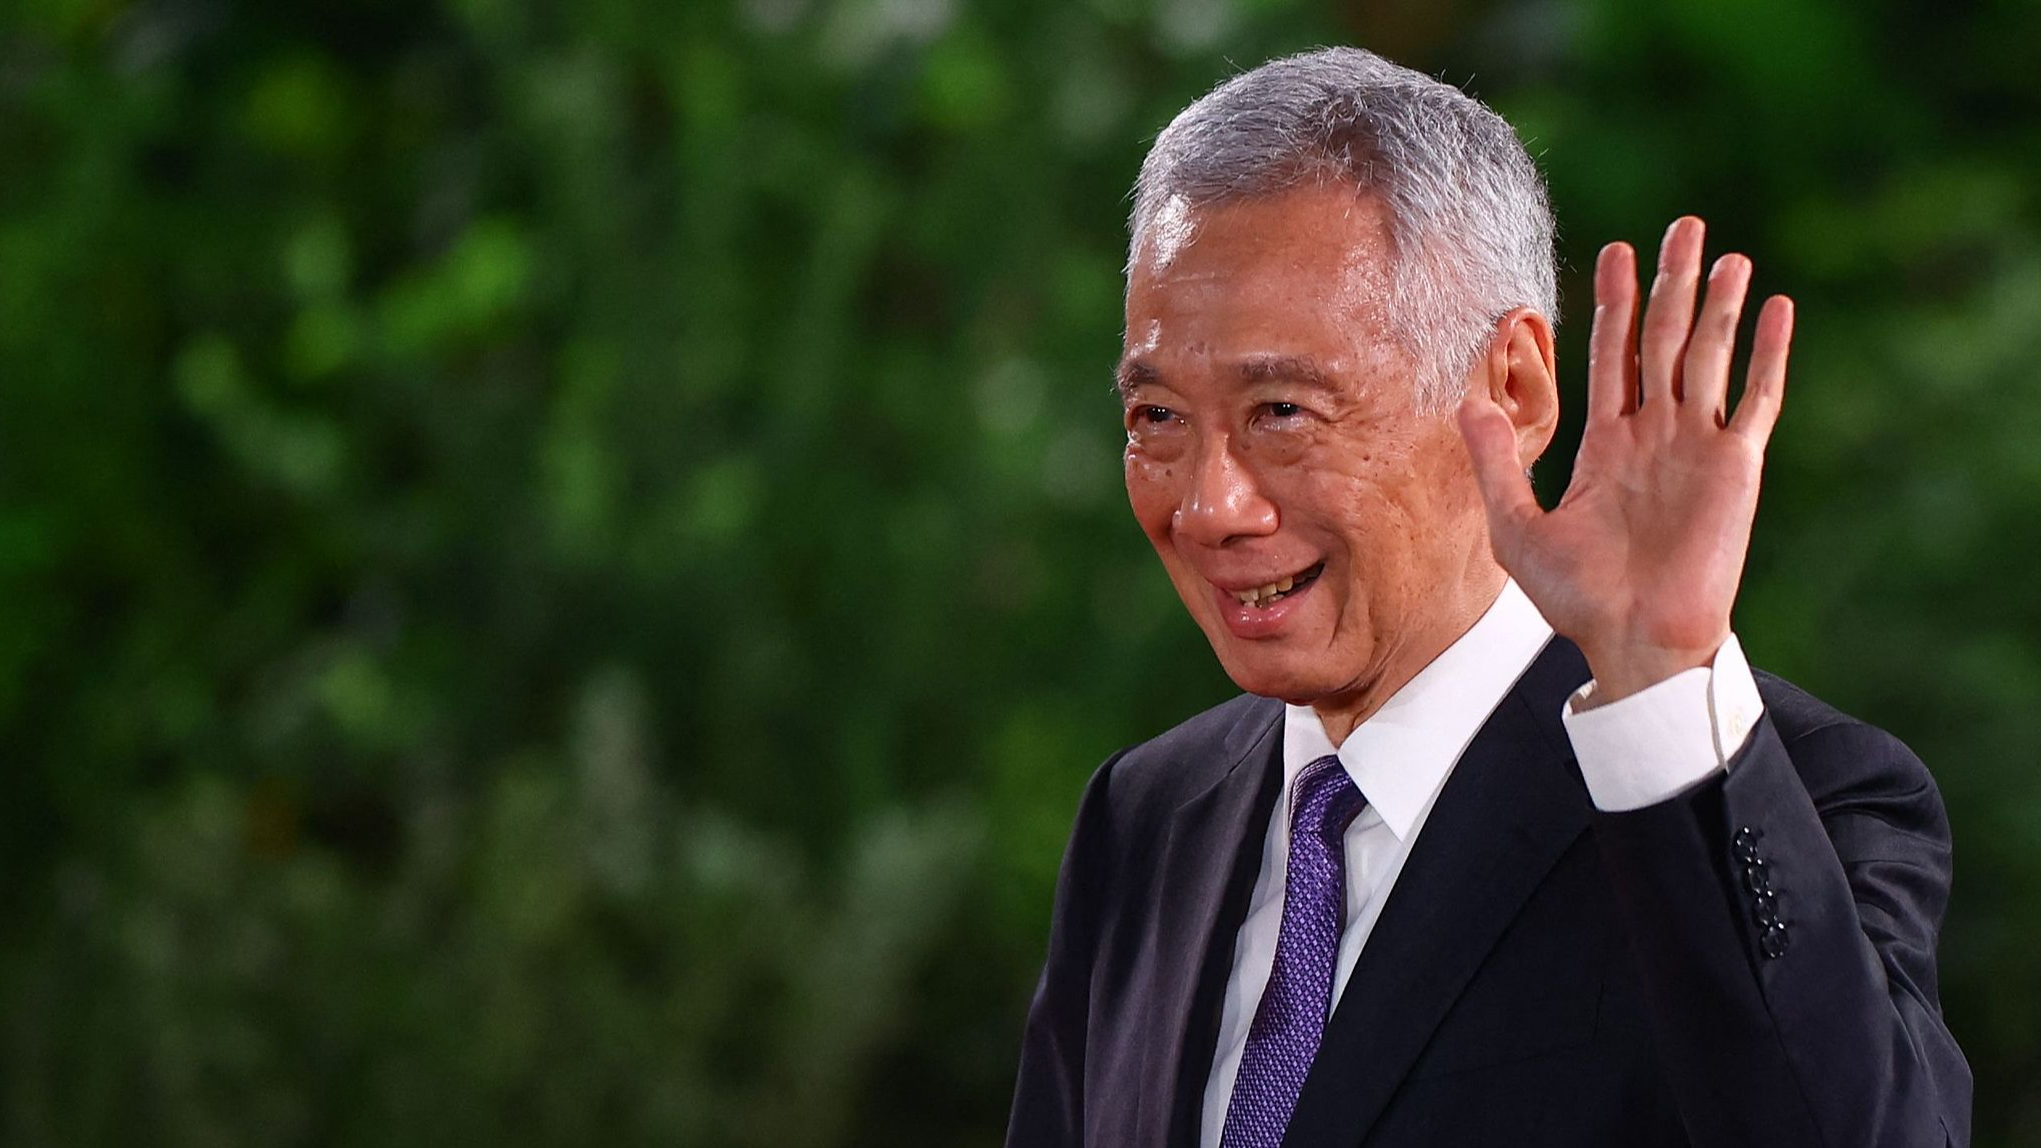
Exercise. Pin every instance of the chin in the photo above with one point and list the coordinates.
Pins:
(1279, 677)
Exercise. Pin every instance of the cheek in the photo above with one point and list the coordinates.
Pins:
(1375, 503)
(1153, 491)
(1412, 507)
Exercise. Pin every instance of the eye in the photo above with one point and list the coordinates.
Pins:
(1285, 410)
(1155, 432)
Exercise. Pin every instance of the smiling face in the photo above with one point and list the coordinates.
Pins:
(1324, 531)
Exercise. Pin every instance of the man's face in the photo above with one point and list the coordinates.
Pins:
(1276, 452)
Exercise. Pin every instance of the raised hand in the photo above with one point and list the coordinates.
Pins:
(1639, 562)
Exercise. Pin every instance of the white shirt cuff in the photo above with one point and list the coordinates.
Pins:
(1658, 742)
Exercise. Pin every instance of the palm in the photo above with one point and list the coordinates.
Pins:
(1639, 562)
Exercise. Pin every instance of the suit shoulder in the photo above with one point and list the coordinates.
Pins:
(1213, 727)
(1848, 764)
(1176, 765)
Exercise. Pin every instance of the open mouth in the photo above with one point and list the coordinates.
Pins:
(1262, 597)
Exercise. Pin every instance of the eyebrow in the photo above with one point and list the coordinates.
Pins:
(1133, 374)
(1130, 376)
(1284, 369)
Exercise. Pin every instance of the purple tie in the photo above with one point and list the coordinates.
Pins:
(1290, 1020)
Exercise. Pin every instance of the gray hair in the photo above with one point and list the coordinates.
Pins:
(1469, 219)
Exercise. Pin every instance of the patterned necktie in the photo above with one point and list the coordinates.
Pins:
(1290, 1020)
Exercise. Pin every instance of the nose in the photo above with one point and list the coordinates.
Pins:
(1224, 501)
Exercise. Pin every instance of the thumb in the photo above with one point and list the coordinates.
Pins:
(1505, 489)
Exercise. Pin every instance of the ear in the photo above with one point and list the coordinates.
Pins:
(1518, 374)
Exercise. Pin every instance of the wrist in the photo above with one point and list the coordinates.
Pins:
(1622, 671)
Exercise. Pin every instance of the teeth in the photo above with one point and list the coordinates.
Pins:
(1261, 595)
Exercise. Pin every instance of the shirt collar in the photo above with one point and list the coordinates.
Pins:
(1400, 756)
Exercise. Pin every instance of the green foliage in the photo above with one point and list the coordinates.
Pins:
(564, 564)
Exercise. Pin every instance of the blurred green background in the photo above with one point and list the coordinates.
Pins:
(564, 565)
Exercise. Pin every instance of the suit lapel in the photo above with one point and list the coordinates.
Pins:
(1207, 871)
(1512, 806)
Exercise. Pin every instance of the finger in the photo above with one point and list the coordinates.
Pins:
(1764, 388)
(1612, 347)
(1704, 379)
(1670, 315)
(1505, 488)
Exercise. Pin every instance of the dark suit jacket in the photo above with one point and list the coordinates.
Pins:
(1543, 973)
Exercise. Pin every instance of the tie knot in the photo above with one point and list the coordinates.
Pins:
(1325, 801)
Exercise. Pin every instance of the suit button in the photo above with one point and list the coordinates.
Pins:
(1756, 877)
(1746, 844)
(1774, 942)
(1764, 909)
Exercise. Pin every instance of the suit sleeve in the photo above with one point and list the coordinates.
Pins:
(1048, 1101)
(1788, 946)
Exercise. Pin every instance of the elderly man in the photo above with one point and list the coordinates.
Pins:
(1441, 876)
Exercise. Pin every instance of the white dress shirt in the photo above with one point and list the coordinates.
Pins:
(1633, 752)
